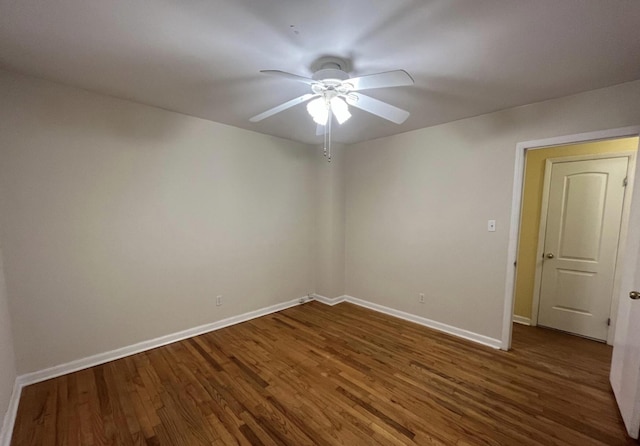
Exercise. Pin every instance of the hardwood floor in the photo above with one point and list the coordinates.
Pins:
(323, 375)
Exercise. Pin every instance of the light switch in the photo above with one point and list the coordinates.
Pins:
(491, 226)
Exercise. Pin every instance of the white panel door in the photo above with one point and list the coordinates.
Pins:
(625, 362)
(581, 244)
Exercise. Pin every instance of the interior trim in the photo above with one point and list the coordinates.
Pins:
(521, 320)
(101, 358)
(10, 417)
(449, 329)
(331, 301)
(516, 204)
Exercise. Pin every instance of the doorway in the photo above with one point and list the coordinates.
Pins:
(525, 220)
(624, 364)
(575, 288)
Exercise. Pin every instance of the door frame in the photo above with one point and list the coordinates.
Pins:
(622, 233)
(516, 208)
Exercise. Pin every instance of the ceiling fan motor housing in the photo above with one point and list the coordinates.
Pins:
(330, 68)
(326, 74)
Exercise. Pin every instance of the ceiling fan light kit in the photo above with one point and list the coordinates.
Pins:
(340, 109)
(319, 110)
(333, 91)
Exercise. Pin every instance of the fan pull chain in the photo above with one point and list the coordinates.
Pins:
(325, 140)
(329, 138)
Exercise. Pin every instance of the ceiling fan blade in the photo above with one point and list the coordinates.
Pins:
(291, 76)
(378, 108)
(282, 107)
(395, 78)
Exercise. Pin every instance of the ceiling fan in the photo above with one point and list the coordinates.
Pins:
(333, 91)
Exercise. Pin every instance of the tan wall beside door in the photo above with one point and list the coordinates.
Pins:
(531, 209)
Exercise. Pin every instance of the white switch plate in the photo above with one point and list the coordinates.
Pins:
(491, 226)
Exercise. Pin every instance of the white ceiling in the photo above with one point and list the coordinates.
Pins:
(202, 57)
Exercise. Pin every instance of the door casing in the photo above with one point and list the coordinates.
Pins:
(516, 204)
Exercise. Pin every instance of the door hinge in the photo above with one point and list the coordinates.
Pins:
(515, 263)
(625, 182)
(608, 322)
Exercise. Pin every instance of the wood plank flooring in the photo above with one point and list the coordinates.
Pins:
(342, 375)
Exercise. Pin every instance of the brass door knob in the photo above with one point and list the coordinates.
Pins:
(635, 295)
(550, 255)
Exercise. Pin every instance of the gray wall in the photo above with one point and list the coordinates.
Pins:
(330, 223)
(417, 206)
(122, 222)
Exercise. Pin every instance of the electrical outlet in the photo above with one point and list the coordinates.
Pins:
(421, 298)
(218, 301)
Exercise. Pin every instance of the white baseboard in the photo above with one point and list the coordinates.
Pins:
(455, 331)
(10, 417)
(101, 358)
(521, 320)
(328, 300)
